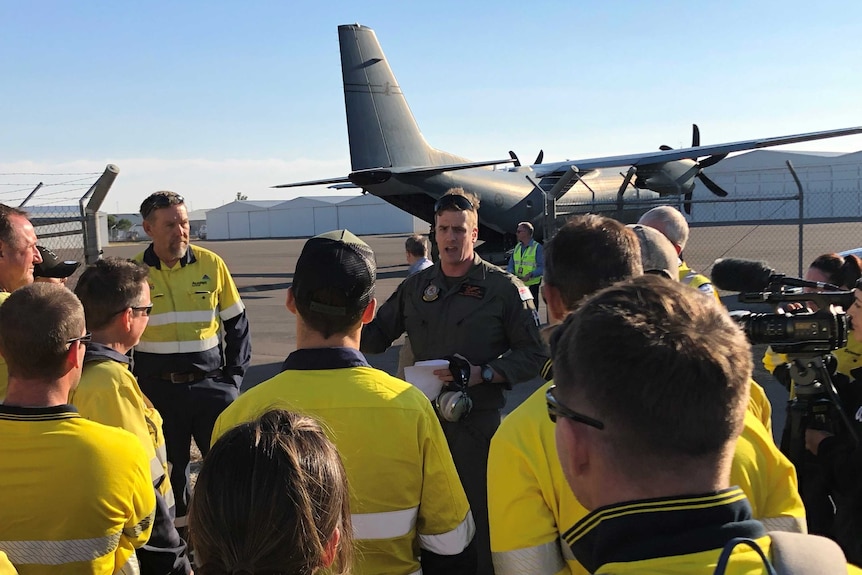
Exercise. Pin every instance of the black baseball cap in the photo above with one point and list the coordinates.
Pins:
(335, 274)
(52, 266)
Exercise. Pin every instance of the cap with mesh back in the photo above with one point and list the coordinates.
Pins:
(335, 274)
(657, 253)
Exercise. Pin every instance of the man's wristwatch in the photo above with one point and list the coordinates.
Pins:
(487, 373)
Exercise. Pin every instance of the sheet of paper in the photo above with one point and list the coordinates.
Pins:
(421, 374)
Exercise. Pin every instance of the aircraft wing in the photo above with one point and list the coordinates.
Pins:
(550, 168)
(359, 178)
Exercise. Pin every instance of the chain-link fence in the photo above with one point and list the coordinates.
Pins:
(63, 210)
(785, 215)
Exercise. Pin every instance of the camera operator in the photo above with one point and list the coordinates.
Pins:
(839, 271)
(839, 456)
(814, 484)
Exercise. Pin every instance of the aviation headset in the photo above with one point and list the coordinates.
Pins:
(453, 404)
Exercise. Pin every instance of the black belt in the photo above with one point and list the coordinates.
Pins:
(187, 376)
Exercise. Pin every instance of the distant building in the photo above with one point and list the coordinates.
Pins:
(305, 217)
(832, 185)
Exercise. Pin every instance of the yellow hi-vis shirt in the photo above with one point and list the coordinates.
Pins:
(75, 495)
(530, 505)
(698, 281)
(188, 302)
(109, 394)
(405, 493)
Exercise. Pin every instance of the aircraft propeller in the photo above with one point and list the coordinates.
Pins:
(517, 162)
(710, 161)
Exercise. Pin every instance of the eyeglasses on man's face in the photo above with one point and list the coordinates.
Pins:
(557, 409)
(147, 309)
(84, 339)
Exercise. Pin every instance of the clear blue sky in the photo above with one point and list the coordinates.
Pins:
(211, 98)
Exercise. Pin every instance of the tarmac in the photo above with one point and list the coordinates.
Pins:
(263, 270)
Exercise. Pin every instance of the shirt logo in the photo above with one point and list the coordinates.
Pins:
(471, 290)
(431, 293)
(204, 281)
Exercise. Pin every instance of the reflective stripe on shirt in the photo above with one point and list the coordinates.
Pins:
(132, 567)
(157, 471)
(785, 523)
(451, 542)
(59, 552)
(137, 530)
(232, 311)
(386, 525)
(178, 346)
(540, 560)
(172, 317)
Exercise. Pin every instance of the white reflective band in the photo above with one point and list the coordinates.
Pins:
(232, 311)
(451, 542)
(139, 529)
(171, 317)
(170, 500)
(178, 346)
(386, 525)
(162, 452)
(156, 470)
(539, 560)
(59, 552)
(790, 524)
(132, 567)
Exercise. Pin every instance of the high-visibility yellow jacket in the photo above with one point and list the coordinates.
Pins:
(698, 281)
(681, 535)
(191, 302)
(6, 567)
(760, 407)
(527, 262)
(75, 495)
(109, 394)
(530, 504)
(405, 491)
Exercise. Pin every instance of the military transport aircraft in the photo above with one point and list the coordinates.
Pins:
(391, 159)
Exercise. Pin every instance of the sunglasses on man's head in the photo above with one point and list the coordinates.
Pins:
(450, 201)
(158, 201)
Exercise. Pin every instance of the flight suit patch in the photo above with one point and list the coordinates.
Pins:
(471, 290)
(431, 293)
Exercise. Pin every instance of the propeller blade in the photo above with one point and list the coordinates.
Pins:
(514, 157)
(711, 186)
(686, 205)
(695, 136)
(664, 148)
(712, 160)
(540, 157)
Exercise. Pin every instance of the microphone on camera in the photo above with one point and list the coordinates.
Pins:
(740, 275)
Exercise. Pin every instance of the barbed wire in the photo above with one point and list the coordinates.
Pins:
(49, 174)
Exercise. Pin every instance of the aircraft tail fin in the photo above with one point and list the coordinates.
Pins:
(380, 125)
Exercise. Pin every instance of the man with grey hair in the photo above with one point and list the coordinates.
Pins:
(670, 222)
